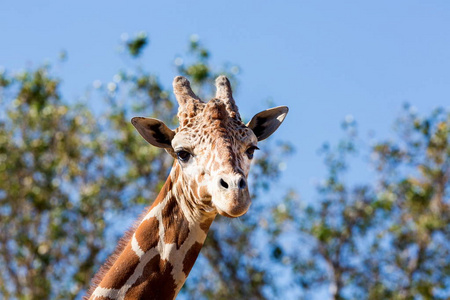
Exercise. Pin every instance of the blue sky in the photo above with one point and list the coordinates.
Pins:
(324, 59)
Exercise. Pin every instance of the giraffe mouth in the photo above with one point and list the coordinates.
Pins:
(221, 212)
(229, 214)
(232, 202)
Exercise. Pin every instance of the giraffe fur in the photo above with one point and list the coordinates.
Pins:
(213, 150)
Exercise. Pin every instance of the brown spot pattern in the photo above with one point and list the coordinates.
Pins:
(122, 269)
(155, 283)
(191, 257)
(206, 224)
(147, 234)
(176, 226)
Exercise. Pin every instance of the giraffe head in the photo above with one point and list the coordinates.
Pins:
(213, 148)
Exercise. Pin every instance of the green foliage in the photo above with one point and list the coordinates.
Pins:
(137, 44)
(48, 150)
(64, 169)
(387, 239)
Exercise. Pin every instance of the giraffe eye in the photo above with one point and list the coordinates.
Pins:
(183, 155)
(250, 151)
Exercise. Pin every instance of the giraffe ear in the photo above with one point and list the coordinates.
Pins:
(154, 131)
(266, 122)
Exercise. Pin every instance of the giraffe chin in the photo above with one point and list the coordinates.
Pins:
(225, 214)
(232, 207)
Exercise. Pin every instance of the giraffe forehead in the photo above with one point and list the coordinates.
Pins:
(206, 132)
(210, 127)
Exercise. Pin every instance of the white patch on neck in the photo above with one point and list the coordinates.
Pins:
(104, 292)
(135, 246)
(176, 257)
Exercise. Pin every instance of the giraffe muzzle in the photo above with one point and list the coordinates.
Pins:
(231, 197)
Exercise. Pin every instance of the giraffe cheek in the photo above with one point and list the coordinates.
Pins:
(204, 192)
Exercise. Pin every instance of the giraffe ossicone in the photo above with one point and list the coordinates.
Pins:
(213, 150)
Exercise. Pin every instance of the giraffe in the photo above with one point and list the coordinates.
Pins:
(212, 150)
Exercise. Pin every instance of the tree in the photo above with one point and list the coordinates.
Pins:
(65, 170)
(387, 239)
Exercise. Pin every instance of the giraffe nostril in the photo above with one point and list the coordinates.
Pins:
(223, 183)
(242, 183)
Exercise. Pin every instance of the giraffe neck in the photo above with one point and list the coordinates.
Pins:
(161, 251)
